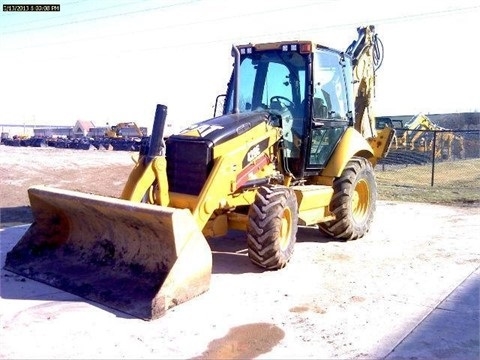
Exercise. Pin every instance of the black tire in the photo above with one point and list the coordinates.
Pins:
(354, 201)
(272, 227)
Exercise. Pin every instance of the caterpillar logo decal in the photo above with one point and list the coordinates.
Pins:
(254, 152)
(200, 130)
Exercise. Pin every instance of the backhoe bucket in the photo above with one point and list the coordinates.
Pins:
(138, 258)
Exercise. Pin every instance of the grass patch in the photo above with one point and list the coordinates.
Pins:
(455, 183)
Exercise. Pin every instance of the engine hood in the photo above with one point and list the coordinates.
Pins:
(223, 128)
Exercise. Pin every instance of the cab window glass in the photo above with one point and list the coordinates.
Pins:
(329, 95)
(277, 83)
(246, 84)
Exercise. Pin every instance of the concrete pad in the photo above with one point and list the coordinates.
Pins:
(360, 299)
(450, 331)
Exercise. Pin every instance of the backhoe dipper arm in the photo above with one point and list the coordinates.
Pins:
(367, 56)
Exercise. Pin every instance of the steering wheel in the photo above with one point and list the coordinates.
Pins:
(289, 103)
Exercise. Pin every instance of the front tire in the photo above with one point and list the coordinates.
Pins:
(354, 201)
(272, 227)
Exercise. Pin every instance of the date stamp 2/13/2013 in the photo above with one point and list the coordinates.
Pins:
(30, 7)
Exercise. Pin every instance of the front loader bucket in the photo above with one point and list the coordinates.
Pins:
(138, 258)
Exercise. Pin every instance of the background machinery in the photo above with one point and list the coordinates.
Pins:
(124, 130)
(295, 145)
(423, 134)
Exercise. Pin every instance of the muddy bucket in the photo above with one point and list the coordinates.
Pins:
(138, 258)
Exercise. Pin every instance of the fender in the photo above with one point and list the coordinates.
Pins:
(352, 143)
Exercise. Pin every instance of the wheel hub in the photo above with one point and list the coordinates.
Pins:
(285, 229)
(360, 200)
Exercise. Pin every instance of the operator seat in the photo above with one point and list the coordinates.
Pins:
(320, 109)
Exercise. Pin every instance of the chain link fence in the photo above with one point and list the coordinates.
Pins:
(443, 162)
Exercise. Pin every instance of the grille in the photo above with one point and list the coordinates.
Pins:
(189, 162)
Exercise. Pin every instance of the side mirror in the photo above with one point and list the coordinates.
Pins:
(219, 105)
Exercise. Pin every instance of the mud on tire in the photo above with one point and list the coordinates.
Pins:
(272, 227)
(353, 203)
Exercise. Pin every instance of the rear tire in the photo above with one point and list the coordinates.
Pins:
(272, 227)
(354, 201)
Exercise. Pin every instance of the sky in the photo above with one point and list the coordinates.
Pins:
(111, 61)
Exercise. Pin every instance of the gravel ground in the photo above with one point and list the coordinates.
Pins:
(357, 299)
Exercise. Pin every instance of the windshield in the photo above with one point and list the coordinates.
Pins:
(271, 80)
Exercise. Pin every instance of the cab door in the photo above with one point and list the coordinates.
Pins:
(330, 108)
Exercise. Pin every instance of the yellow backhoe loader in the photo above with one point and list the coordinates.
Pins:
(419, 136)
(124, 130)
(295, 145)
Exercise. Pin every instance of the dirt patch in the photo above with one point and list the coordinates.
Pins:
(91, 171)
(244, 342)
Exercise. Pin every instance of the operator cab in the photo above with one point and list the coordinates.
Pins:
(305, 89)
